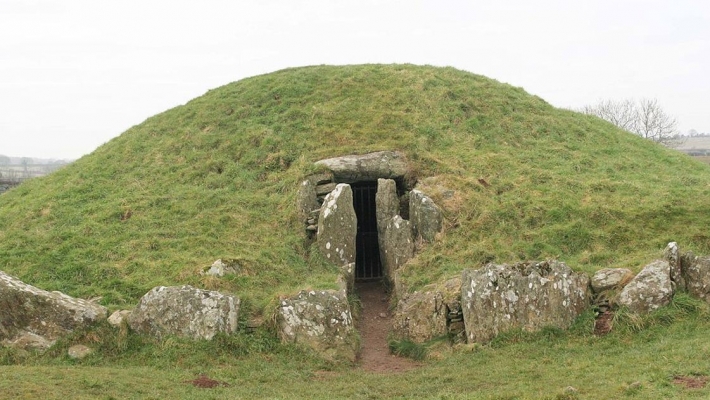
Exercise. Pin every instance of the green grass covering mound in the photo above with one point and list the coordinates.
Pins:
(217, 178)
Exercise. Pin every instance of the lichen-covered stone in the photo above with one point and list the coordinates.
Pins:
(220, 268)
(498, 298)
(422, 316)
(321, 320)
(672, 255)
(185, 311)
(386, 207)
(696, 274)
(397, 246)
(34, 318)
(610, 278)
(337, 226)
(367, 167)
(427, 219)
(649, 290)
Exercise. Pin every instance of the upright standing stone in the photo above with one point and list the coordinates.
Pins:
(696, 271)
(397, 246)
(386, 204)
(672, 255)
(425, 216)
(306, 200)
(337, 226)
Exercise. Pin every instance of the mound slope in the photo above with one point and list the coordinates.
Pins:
(217, 178)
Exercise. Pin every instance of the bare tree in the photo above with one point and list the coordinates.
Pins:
(644, 117)
(26, 161)
(623, 114)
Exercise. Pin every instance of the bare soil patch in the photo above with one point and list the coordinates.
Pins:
(203, 381)
(691, 382)
(602, 325)
(374, 325)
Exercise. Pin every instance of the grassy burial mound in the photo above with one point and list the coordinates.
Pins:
(218, 177)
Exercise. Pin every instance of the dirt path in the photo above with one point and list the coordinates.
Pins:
(374, 325)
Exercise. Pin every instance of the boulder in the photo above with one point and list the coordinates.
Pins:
(34, 318)
(321, 320)
(118, 317)
(185, 311)
(367, 167)
(427, 219)
(337, 226)
(649, 290)
(78, 351)
(696, 274)
(610, 278)
(672, 255)
(397, 246)
(221, 268)
(529, 296)
(422, 316)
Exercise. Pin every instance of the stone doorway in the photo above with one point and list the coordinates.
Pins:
(367, 249)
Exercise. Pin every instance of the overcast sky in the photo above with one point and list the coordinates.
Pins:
(76, 73)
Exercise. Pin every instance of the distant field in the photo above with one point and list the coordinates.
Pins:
(16, 173)
(695, 143)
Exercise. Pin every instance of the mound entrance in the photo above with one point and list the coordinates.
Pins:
(348, 209)
(367, 247)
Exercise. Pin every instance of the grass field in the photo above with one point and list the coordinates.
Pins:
(217, 178)
(637, 361)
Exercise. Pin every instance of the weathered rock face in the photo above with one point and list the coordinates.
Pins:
(367, 167)
(650, 289)
(34, 318)
(696, 271)
(672, 255)
(337, 226)
(497, 298)
(386, 205)
(185, 311)
(422, 316)
(426, 216)
(319, 319)
(610, 278)
(397, 246)
(306, 199)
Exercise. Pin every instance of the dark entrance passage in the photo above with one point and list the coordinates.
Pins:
(367, 249)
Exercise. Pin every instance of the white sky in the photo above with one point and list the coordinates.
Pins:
(75, 73)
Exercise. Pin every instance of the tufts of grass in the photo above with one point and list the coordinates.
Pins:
(407, 348)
